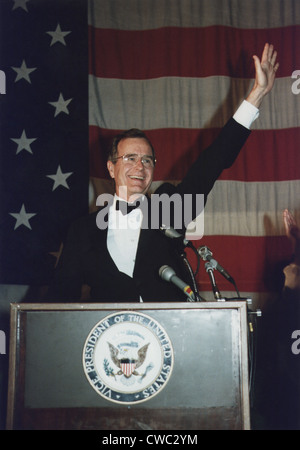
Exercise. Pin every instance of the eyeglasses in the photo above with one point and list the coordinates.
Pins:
(132, 159)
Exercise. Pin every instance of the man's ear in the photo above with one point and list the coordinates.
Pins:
(111, 168)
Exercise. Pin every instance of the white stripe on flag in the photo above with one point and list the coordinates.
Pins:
(250, 208)
(174, 102)
(153, 14)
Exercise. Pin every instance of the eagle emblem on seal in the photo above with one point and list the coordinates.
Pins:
(127, 365)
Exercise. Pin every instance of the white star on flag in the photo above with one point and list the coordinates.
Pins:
(23, 72)
(60, 178)
(24, 143)
(61, 105)
(20, 4)
(22, 218)
(58, 35)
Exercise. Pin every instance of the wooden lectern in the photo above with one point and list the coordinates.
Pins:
(147, 366)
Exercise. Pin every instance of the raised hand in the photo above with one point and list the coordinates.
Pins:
(292, 231)
(265, 72)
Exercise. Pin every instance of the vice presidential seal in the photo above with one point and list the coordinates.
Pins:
(128, 357)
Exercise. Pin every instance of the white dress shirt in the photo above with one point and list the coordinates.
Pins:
(123, 236)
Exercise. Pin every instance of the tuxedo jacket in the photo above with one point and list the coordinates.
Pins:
(85, 259)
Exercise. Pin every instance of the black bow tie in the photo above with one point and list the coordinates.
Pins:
(125, 207)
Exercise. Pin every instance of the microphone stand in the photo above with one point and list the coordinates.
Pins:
(210, 270)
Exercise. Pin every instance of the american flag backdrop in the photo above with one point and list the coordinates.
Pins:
(77, 72)
(44, 133)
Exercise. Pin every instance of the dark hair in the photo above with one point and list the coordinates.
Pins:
(132, 133)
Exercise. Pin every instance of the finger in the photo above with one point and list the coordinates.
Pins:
(265, 53)
(273, 58)
(257, 63)
(286, 226)
(270, 52)
(288, 221)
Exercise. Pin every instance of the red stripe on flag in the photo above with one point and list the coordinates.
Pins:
(164, 52)
(268, 155)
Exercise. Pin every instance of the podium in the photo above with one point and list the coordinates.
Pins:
(133, 366)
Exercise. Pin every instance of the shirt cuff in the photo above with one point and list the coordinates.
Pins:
(246, 114)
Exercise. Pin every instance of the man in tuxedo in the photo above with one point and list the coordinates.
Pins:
(119, 259)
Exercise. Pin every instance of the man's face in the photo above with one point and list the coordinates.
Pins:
(131, 180)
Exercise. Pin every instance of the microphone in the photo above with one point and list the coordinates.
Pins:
(173, 234)
(206, 255)
(168, 274)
